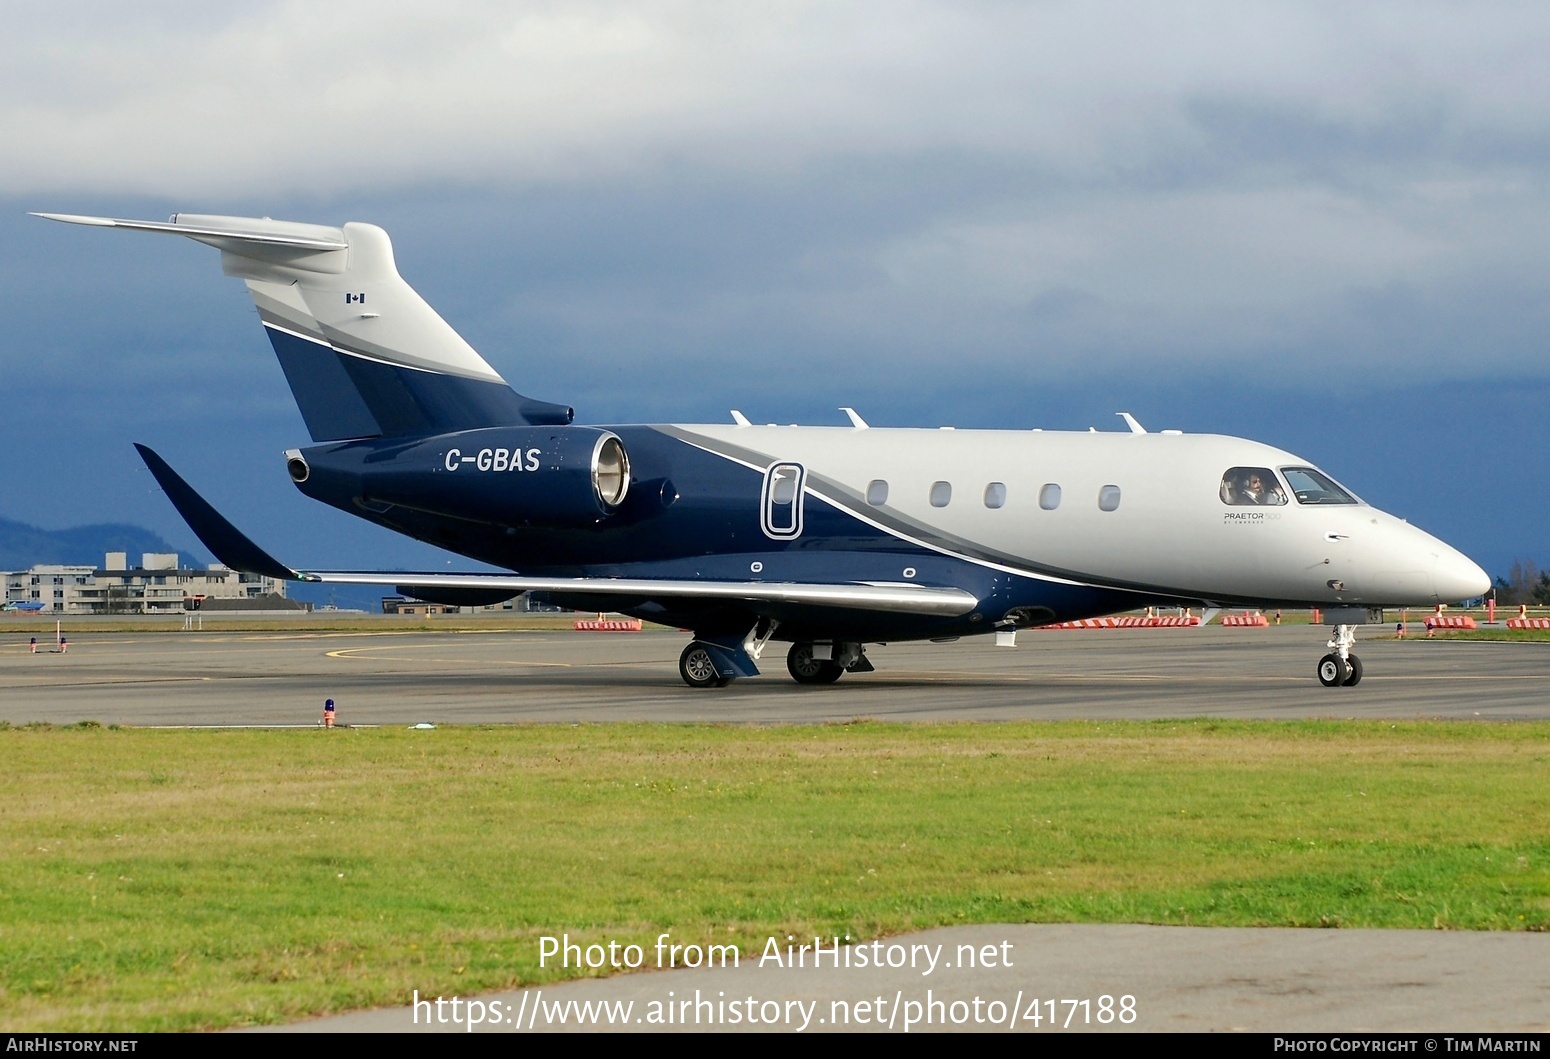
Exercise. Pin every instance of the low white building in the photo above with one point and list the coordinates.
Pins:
(58, 589)
(157, 586)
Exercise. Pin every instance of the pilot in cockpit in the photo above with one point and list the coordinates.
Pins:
(1252, 487)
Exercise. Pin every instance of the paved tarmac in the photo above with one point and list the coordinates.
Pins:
(1175, 978)
(277, 678)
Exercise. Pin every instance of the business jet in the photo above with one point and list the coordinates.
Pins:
(826, 538)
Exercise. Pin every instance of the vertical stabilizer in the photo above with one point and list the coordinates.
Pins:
(364, 354)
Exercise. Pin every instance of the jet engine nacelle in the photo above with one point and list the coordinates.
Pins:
(538, 476)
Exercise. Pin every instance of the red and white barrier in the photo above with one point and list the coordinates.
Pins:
(1129, 621)
(1450, 621)
(608, 625)
(1528, 623)
(1255, 620)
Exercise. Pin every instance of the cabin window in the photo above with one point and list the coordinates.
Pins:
(1108, 498)
(941, 494)
(1252, 487)
(1049, 497)
(1314, 487)
(995, 495)
(783, 486)
(877, 492)
(782, 508)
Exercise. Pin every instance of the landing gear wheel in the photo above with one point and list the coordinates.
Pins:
(1356, 672)
(1333, 671)
(805, 669)
(698, 668)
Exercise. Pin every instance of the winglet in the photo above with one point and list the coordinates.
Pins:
(855, 418)
(223, 539)
(1130, 421)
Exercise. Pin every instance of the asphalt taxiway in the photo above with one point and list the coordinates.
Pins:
(218, 677)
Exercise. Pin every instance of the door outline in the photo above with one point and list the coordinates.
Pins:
(767, 502)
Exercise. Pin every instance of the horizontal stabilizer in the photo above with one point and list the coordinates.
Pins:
(261, 231)
(224, 540)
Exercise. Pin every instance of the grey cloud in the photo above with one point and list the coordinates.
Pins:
(1038, 191)
(301, 97)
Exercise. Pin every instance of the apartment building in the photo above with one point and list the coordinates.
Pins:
(159, 585)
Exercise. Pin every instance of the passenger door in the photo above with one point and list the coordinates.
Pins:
(780, 508)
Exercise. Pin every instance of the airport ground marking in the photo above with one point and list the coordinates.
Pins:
(356, 653)
(115, 683)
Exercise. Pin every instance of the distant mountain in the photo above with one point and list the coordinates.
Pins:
(22, 545)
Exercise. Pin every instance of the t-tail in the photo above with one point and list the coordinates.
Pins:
(364, 355)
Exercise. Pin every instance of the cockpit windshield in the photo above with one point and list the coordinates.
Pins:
(1252, 487)
(1314, 487)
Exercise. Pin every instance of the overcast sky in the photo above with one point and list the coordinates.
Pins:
(1326, 226)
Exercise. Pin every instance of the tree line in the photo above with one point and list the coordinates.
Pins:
(1524, 583)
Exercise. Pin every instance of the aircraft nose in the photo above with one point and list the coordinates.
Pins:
(1457, 578)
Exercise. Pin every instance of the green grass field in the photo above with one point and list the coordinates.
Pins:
(175, 880)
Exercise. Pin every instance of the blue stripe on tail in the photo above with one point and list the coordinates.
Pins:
(342, 396)
(330, 404)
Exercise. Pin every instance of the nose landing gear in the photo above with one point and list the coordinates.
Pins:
(1341, 668)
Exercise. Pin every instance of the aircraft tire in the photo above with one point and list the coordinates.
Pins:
(1333, 671)
(1356, 672)
(805, 669)
(698, 668)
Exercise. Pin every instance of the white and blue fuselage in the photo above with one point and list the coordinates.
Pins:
(829, 537)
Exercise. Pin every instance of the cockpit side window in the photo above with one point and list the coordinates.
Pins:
(1315, 487)
(1252, 487)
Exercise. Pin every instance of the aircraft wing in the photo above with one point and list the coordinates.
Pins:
(901, 597)
(231, 547)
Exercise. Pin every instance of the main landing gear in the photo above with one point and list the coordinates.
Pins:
(698, 668)
(706, 664)
(806, 668)
(1341, 668)
(824, 663)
